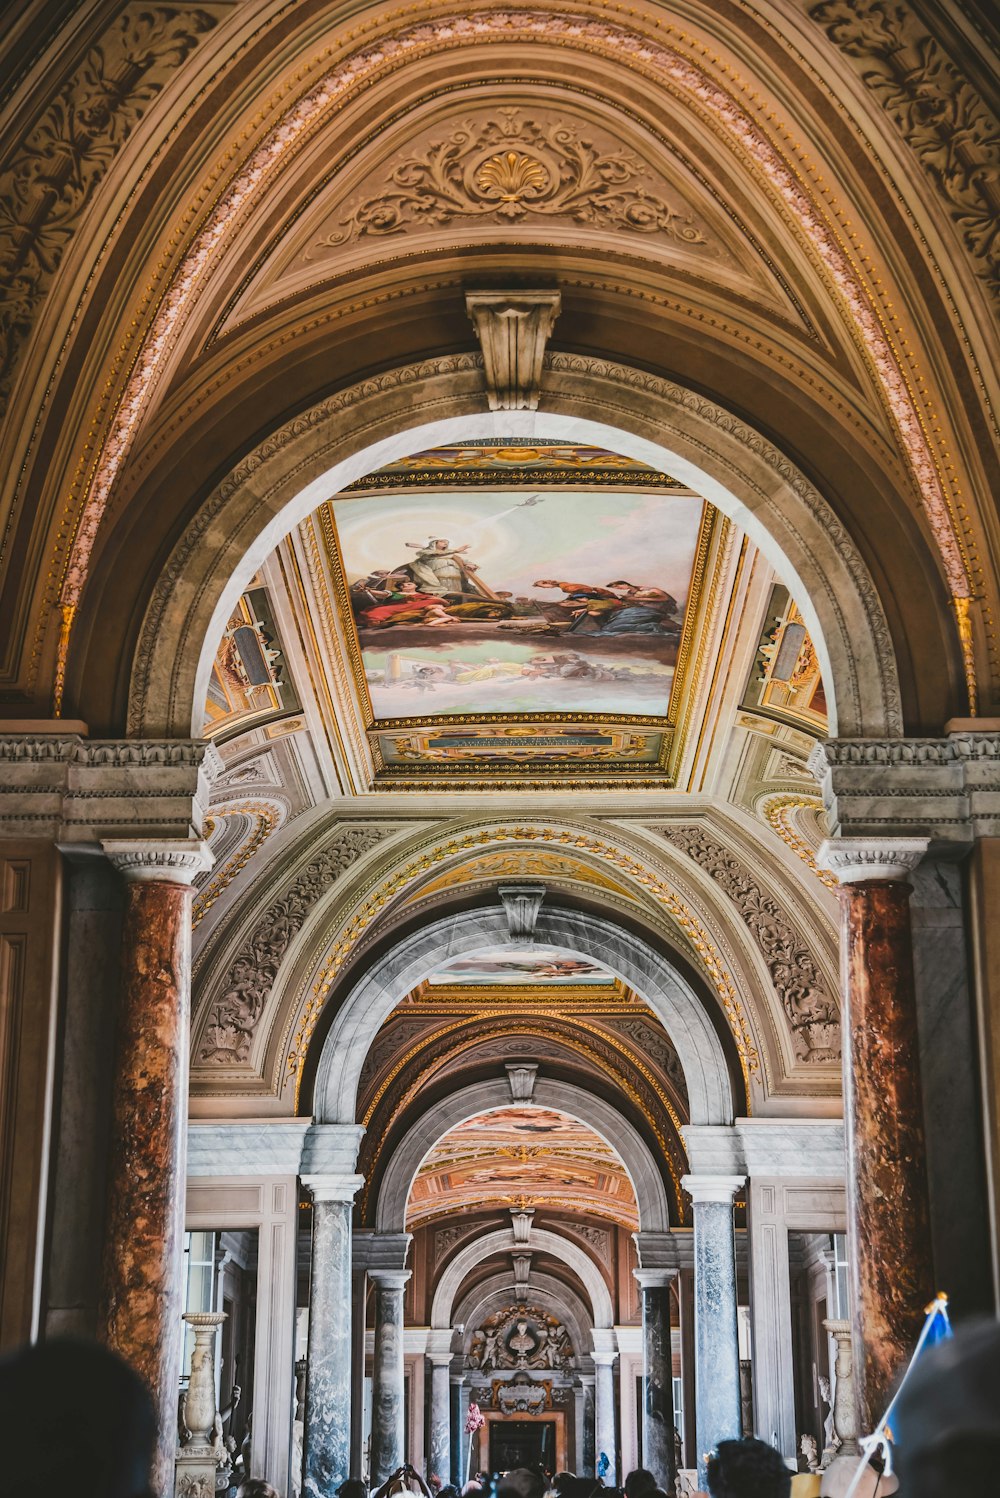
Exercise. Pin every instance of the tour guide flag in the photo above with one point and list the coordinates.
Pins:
(936, 1327)
(474, 1421)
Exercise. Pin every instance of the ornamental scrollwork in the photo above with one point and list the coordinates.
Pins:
(517, 168)
(67, 152)
(811, 1010)
(248, 982)
(935, 108)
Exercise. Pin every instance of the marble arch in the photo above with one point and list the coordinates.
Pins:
(374, 996)
(502, 1241)
(439, 401)
(484, 1097)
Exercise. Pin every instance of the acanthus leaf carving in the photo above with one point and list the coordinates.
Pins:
(67, 152)
(248, 982)
(811, 1011)
(934, 107)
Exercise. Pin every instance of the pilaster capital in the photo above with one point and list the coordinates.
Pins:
(864, 860)
(439, 1346)
(158, 861)
(704, 1188)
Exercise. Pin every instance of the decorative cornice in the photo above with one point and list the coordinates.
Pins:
(171, 861)
(857, 860)
(77, 790)
(947, 788)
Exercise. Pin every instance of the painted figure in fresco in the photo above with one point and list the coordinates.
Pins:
(586, 604)
(645, 611)
(405, 604)
(438, 567)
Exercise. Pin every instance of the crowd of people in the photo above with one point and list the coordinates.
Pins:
(76, 1419)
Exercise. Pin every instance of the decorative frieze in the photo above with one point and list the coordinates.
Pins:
(810, 1008)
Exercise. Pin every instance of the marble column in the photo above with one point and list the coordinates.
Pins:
(327, 1435)
(889, 1216)
(657, 1376)
(717, 1351)
(588, 1381)
(604, 1415)
(388, 1407)
(359, 1328)
(457, 1430)
(439, 1456)
(142, 1285)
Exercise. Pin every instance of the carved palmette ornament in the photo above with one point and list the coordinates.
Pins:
(514, 168)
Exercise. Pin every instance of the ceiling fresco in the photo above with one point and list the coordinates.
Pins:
(250, 681)
(493, 603)
(522, 1157)
(496, 460)
(502, 965)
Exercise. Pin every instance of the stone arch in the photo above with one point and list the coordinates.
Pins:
(545, 1290)
(584, 400)
(485, 1097)
(502, 1241)
(373, 997)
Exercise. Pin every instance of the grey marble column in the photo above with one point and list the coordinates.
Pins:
(657, 1376)
(588, 1381)
(604, 1415)
(388, 1405)
(327, 1434)
(457, 1430)
(717, 1351)
(439, 1455)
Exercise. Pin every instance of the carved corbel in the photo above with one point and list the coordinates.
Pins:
(521, 903)
(513, 328)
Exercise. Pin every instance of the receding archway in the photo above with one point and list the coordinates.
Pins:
(484, 1097)
(358, 430)
(373, 997)
(503, 1241)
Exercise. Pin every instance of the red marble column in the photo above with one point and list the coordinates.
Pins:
(142, 1297)
(890, 1247)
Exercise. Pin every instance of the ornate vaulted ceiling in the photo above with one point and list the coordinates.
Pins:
(522, 1158)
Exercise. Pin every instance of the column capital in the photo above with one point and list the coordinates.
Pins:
(703, 1188)
(655, 1279)
(333, 1188)
(869, 860)
(603, 1359)
(172, 860)
(389, 1279)
(605, 1344)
